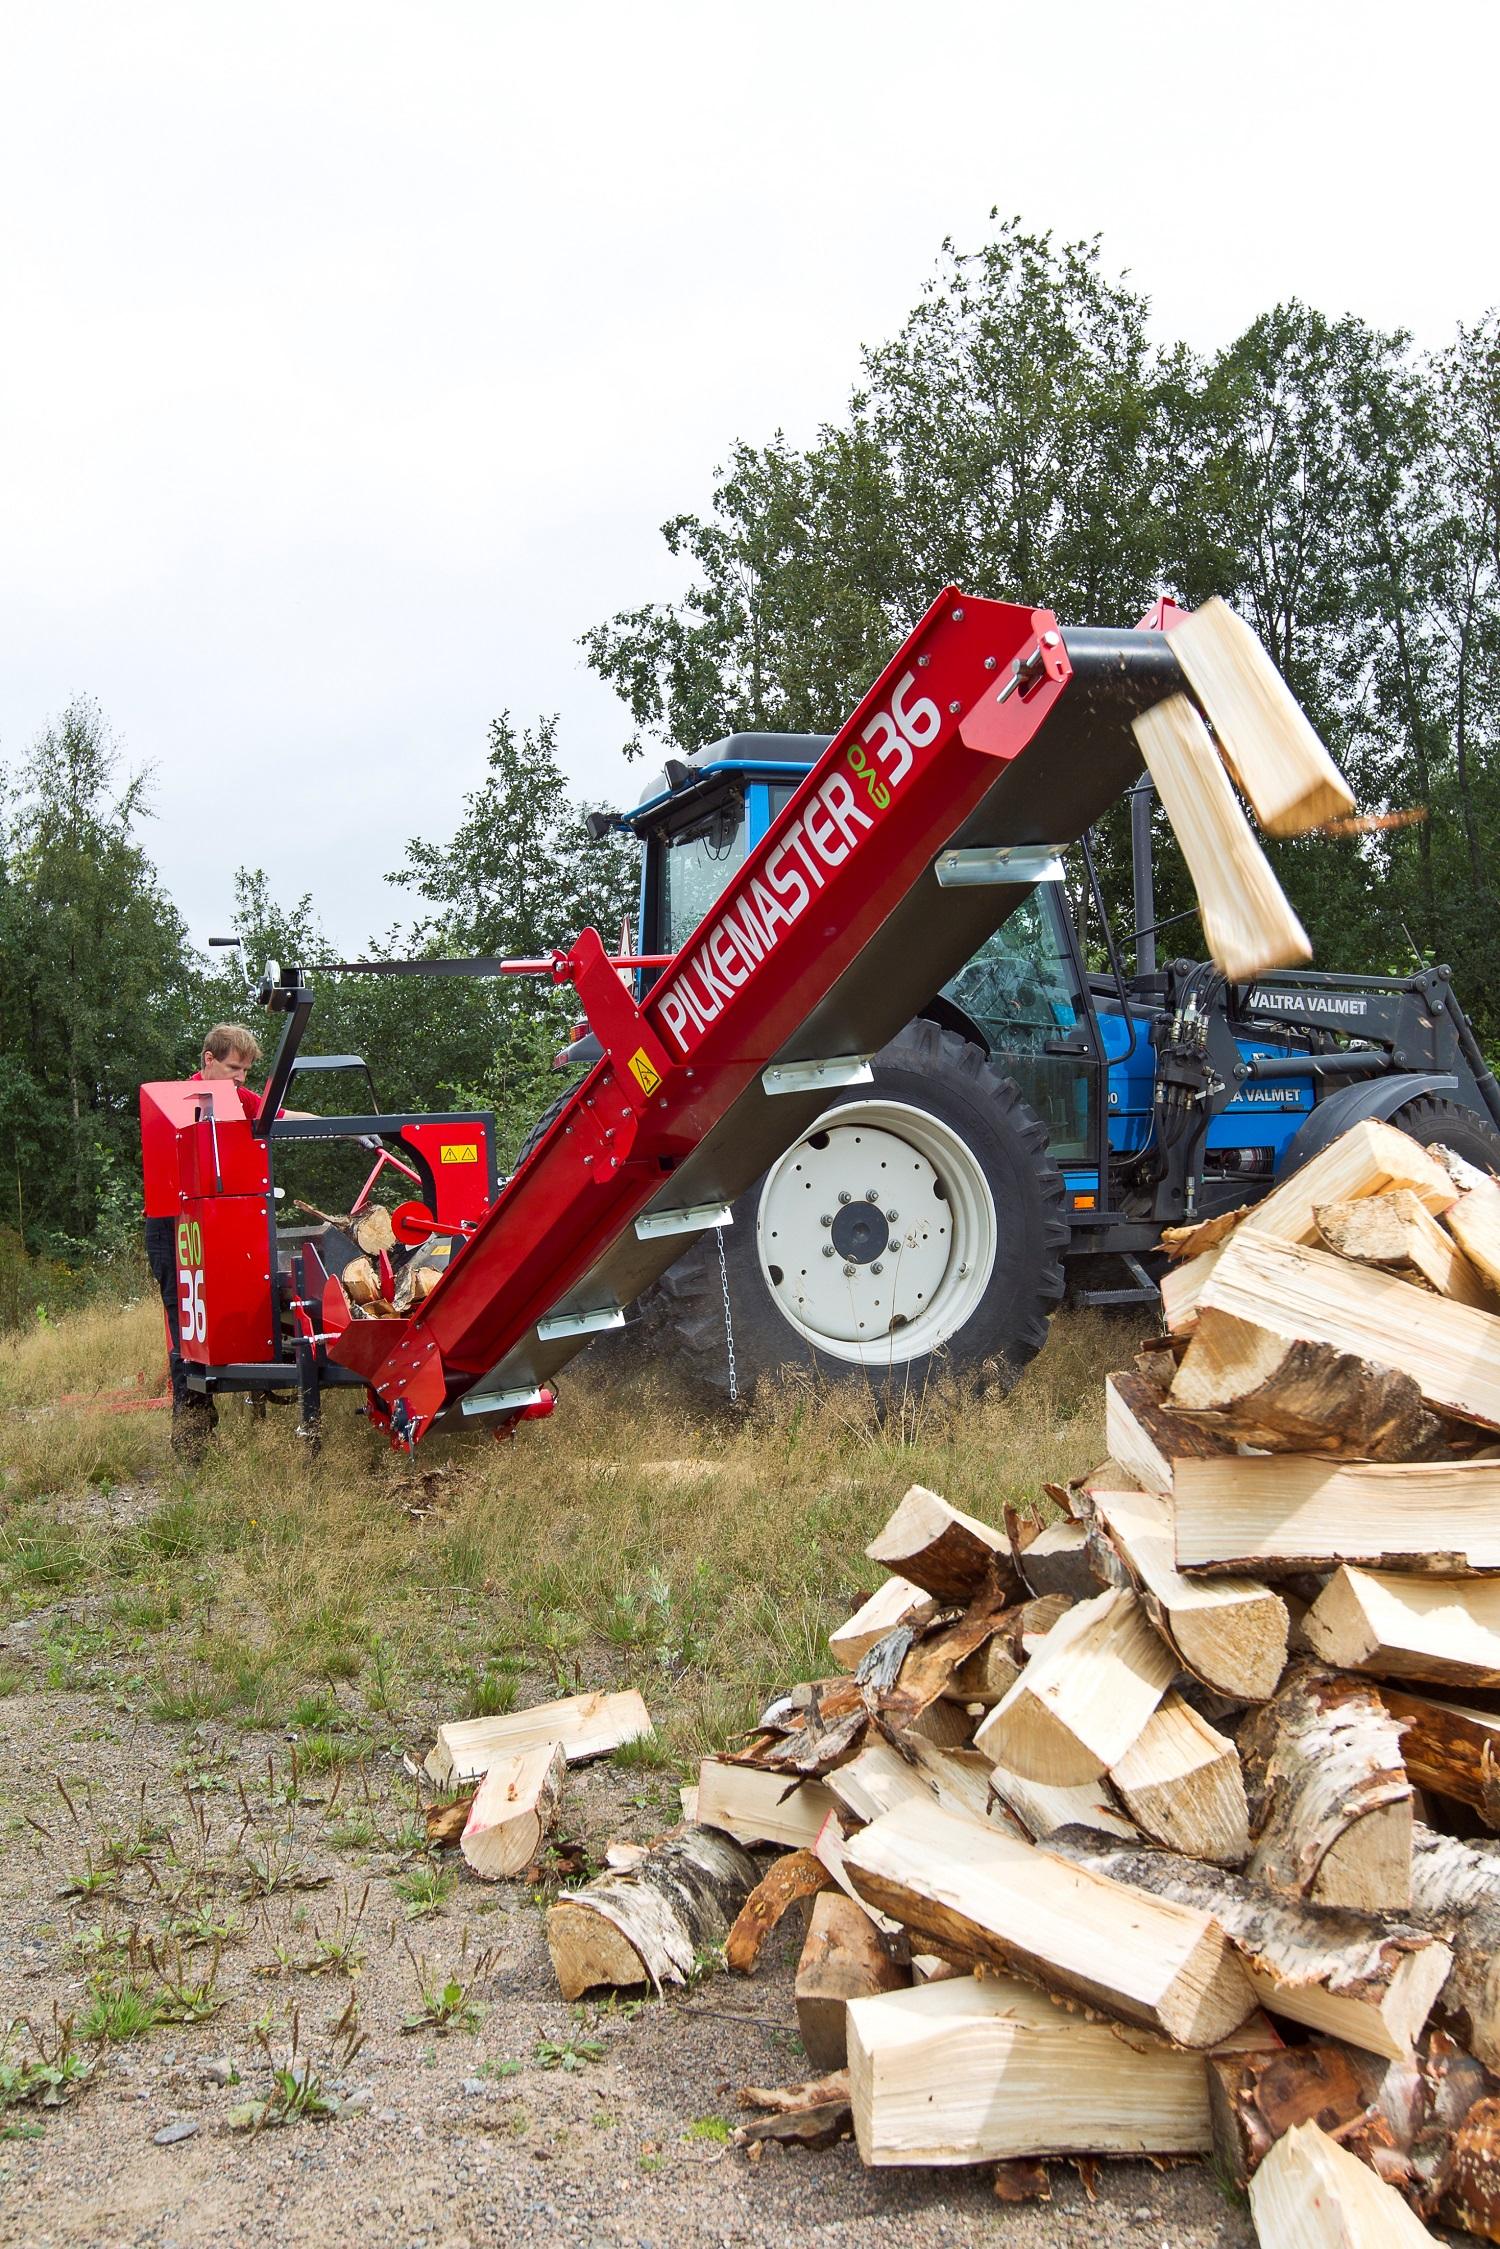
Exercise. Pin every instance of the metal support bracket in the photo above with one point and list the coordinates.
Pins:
(499, 1401)
(813, 1077)
(580, 1323)
(1028, 862)
(695, 1218)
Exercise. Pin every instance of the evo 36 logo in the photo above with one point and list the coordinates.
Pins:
(820, 839)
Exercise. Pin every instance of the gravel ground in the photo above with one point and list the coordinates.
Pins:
(454, 2139)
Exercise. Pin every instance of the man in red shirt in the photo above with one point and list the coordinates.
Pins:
(229, 1052)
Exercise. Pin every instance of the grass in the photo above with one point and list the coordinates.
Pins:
(570, 1557)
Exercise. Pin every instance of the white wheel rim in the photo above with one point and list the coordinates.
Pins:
(893, 1290)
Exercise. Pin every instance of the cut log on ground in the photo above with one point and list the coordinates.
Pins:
(1255, 2099)
(1452, 1351)
(1450, 1748)
(1148, 1439)
(986, 1676)
(586, 1725)
(1055, 1560)
(1442, 1631)
(513, 1812)
(1368, 1980)
(1084, 1696)
(1044, 1812)
(1330, 1803)
(976, 2070)
(1396, 1230)
(649, 1925)
(759, 1807)
(974, 1894)
(881, 1777)
(1286, 1395)
(951, 1555)
(1231, 1633)
(895, 1603)
(844, 1958)
(1268, 744)
(795, 1880)
(1312, 2194)
(1247, 922)
(927, 1671)
(1181, 1783)
(1280, 1516)
(1456, 1886)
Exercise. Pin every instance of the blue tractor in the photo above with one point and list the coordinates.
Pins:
(1037, 1125)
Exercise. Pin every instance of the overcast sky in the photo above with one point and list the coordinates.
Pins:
(354, 353)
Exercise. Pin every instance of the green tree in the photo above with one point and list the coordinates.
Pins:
(97, 985)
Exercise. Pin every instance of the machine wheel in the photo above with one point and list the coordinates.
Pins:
(918, 1224)
(1448, 1124)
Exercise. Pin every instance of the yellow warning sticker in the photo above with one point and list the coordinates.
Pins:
(641, 1070)
(461, 1152)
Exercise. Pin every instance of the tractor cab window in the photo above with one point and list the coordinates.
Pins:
(1022, 988)
(698, 861)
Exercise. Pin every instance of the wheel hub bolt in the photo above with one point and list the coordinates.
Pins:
(845, 1196)
(828, 1249)
(877, 1267)
(892, 1216)
(849, 1272)
(826, 1219)
(872, 1194)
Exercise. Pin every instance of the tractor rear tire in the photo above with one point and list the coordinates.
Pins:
(917, 1226)
(1448, 1124)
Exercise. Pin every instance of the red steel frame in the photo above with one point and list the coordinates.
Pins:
(966, 693)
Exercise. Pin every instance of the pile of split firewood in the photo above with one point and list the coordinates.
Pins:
(1158, 1828)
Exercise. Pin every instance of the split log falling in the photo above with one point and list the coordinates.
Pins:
(1312, 2194)
(1267, 741)
(513, 1811)
(1330, 1803)
(1084, 1696)
(649, 1925)
(1361, 1977)
(1230, 1633)
(1247, 922)
(975, 1894)
(948, 1554)
(843, 1958)
(1444, 1632)
(1181, 1783)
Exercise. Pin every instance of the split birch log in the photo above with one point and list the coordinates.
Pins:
(1268, 744)
(1247, 922)
(1330, 1803)
(897, 1602)
(981, 2069)
(361, 1284)
(795, 1879)
(373, 1231)
(650, 1925)
(1363, 1978)
(831, 1850)
(1450, 1749)
(928, 1669)
(1287, 1394)
(987, 1675)
(1181, 1783)
(880, 1778)
(1442, 1631)
(1451, 1351)
(951, 1555)
(1255, 2099)
(1230, 1633)
(1182, 1290)
(513, 1812)
(1055, 1560)
(1283, 1515)
(1044, 1812)
(760, 1807)
(1084, 1696)
(975, 1894)
(586, 1725)
(843, 1958)
(1312, 2194)
(1181, 1242)
(1474, 1218)
(1148, 1439)
(1456, 1888)
(1396, 1230)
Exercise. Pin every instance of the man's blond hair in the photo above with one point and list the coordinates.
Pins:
(232, 1038)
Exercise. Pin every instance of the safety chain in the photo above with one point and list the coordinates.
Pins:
(734, 1380)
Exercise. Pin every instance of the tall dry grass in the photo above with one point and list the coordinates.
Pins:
(632, 1538)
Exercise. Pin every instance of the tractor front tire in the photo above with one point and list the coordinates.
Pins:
(918, 1225)
(1437, 1123)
